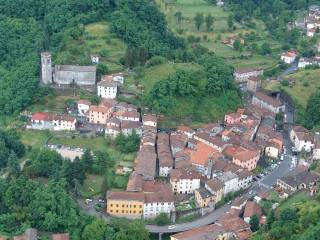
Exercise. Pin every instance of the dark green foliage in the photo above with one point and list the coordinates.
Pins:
(254, 223)
(202, 95)
(141, 25)
(162, 219)
(9, 145)
(26, 28)
(198, 20)
(48, 208)
(312, 116)
(127, 144)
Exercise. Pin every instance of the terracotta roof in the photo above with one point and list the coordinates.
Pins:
(63, 118)
(246, 155)
(247, 70)
(215, 184)
(233, 223)
(135, 182)
(184, 128)
(265, 98)
(209, 232)
(182, 173)
(149, 117)
(124, 195)
(252, 208)
(102, 109)
(129, 114)
(254, 79)
(84, 101)
(41, 116)
(130, 124)
(60, 236)
(201, 154)
(111, 84)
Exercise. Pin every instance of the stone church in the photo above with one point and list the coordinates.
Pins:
(66, 74)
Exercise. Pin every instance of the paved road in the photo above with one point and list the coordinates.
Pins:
(264, 184)
(291, 69)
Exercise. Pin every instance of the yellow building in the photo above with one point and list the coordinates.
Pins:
(125, 204)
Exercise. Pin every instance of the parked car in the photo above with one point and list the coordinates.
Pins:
(88, 200)
(171, 227)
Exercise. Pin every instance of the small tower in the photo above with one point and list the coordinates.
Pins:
(46, 68)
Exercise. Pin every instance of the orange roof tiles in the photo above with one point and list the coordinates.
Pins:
(201, 154)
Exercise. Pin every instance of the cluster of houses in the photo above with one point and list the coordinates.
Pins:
(233, 225)
(311, 22)
(32, 234)
(248, 79)
(207, 163)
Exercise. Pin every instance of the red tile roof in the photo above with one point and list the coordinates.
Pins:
(41, 116)
(60, 236)
(124, 195)
(252, 208)
(201, 154)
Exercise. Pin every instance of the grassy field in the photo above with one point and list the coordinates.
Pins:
(96, 40)
(305, 83)
(296, 200)
(92, 184)
(212, 39)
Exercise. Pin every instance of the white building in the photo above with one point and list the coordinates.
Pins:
(156, 203)
(301, 139)
(112, 127)
(231, 182)
(95, 58)
(117, 77)
(184, 181)
(264, 101)
(303, 62)
(64, 123)
(149, 120)
(289, 57)
(83, 107)
(133, 116)
(244, 178)
(107, 89)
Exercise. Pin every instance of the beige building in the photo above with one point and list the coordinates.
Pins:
(99, 114)
(125, 204)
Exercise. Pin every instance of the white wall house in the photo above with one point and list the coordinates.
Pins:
(156, 203)
(149, 120)
(231, 182)
(64, 123)
(288, 57)
(83, 107)
(107, 89)
(301, 139)
(95, 58)
(164, 171)
(184, 181)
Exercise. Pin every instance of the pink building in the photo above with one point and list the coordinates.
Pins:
(247, 159)
(232, 118)
(99, 114)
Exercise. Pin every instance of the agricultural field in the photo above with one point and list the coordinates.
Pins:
(302, 85)
(96, 40)
(219, 32)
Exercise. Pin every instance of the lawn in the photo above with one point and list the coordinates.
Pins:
(52, 103)
(212, 39)
(305, 83)
(91, 186)
(97, 39)
(295, 200)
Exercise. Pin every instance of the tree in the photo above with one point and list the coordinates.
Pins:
(312, 118)
(178, 16)
(95, 230)
(265, 49)
(199, 20)
(230, 21)
(162, 219)
(13, 165)
(87, 159)
(270, 218)
(254, 223)
(237, 45)
(102, 69)
(209, 21)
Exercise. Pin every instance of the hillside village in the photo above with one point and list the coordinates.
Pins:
(204, 166)
(188, 127)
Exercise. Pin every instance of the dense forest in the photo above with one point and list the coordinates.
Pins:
(297, 222)
(28, 27)
(43, 194)
(197, 92)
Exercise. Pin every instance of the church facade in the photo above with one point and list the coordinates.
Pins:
(66, 74)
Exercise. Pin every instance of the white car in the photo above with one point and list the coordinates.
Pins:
(171, 227)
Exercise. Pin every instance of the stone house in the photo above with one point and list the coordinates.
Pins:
(107, 89)
(83, 107)
(99, 114)
(264, 101)
(247, 159)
